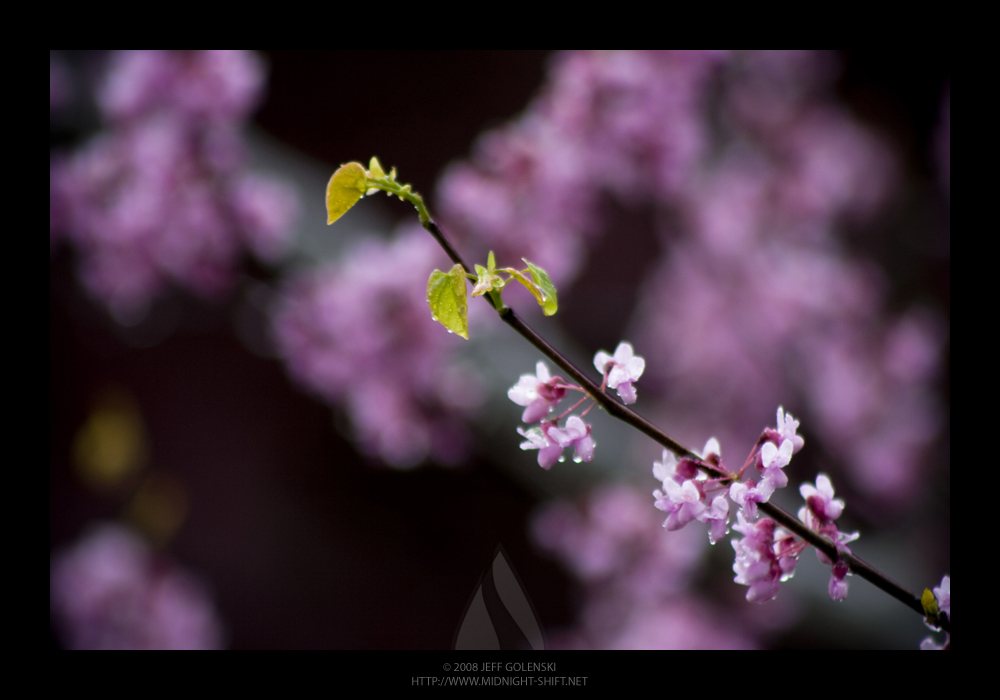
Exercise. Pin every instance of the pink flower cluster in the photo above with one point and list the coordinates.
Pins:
(766, 554)
(688, 496)
(110, 592)
(163, 195)
(540, 393)
(819, 512)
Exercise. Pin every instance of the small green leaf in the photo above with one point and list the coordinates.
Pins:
(550, 302)
(487, 280)
(447, 299)
(929, 602)
(528, 284)
(375, 168)
(490, 262)
(344, 190)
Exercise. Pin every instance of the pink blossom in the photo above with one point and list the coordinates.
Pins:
(683, 497)
(539, 439)
(756, 564)
(577, 434)
(838, 581)
(818, 514)
(821, 507)
(712, 447)
(670, 468)
(621, 370)
(772, 460)
(943, 595)
(683, 502)
(786, 430)
(716, 516)
(747, 495)
(539, 392)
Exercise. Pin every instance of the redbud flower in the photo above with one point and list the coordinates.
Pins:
(711, 448)
(683, 502)
(747, 495)
(756, 563)
(772, 460)
(682, 497)
(786, 430)
(943, 595)
(818, 514)
(577, 434)
(539, 392)
(549, 450)
(670, 468)
(838, 583)
(821, 507)
(622, 369)
(716, 516)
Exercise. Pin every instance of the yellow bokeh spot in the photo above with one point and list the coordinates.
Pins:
(159, 507)
(111, 445)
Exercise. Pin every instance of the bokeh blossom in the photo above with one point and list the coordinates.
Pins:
(162, 195)
(358, 334)
(109, 591)
(635, 579)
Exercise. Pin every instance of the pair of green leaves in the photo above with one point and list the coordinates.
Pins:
(446, 292)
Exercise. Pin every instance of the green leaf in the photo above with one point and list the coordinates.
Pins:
(550, 302)
(344, 190)
(447, 299)
(528, 284)
(375, 168)
(929, 603)
(490, 263)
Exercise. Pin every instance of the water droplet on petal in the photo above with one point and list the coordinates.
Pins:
(561, 459)
(577, 458)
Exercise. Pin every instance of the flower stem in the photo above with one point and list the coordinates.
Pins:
(623, 413)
